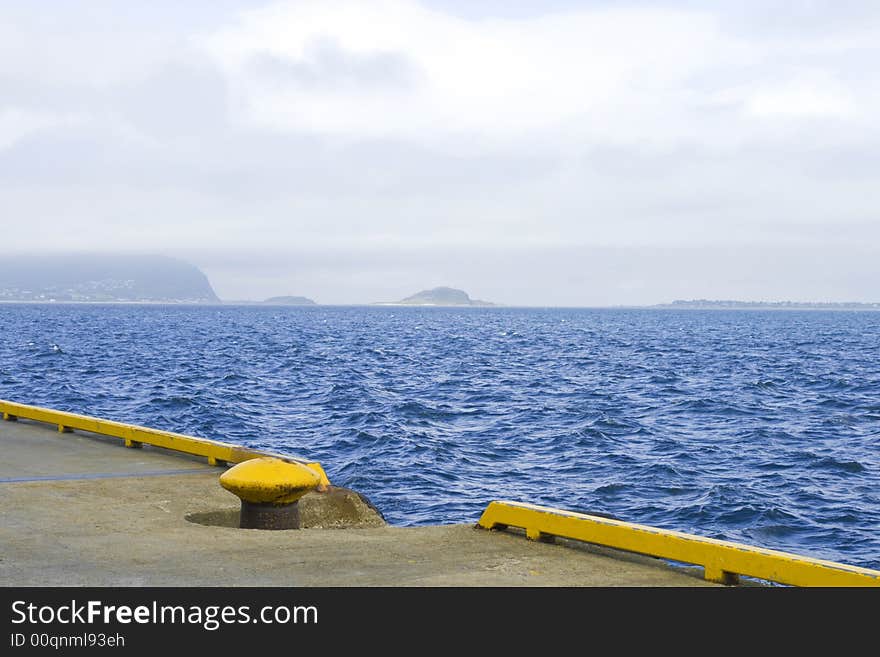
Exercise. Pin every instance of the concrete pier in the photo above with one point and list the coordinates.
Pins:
(78, 509)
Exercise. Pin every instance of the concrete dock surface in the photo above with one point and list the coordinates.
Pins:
(77, 509)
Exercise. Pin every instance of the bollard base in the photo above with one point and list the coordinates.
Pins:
(269, 516)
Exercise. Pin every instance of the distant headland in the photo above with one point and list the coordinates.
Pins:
(728, 304)
(100, 278)
(438, 296)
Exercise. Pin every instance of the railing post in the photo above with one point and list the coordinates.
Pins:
(720, 576)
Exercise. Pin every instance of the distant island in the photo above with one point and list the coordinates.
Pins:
(289, 301)
(727, 304)
(99, 278)
(272, 301)
(439, 296)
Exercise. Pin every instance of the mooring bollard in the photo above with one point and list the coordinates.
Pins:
(269, 490)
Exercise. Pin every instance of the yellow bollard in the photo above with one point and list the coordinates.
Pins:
(269, 490)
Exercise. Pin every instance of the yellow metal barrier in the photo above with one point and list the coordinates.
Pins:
(134, 436)
(722, 561)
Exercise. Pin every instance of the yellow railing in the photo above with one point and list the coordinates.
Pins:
(216, 452)
(722, 561)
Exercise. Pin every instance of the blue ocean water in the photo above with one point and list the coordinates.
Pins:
(762, 427)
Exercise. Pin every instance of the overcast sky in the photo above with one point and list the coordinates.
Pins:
(552, 152)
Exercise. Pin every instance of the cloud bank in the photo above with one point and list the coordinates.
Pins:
(338, 128)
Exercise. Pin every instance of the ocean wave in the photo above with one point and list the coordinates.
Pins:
(759, 427)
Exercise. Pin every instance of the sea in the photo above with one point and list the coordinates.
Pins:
(760, 427)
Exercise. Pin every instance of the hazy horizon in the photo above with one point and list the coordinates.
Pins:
(558, 153)
(564, 277)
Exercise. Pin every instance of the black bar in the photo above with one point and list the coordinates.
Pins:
(255, 619)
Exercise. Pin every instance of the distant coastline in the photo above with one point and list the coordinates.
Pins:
(100, 279)
(742, 305)
(730, 304)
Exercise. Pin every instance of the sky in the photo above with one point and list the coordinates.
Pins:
(531, 153)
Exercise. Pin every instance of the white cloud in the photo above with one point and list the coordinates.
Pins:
(17, 124)
(803, 97)
(393, 69)
(587, 71)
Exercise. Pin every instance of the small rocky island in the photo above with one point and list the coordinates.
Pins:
(289, 301)
(439, 296)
